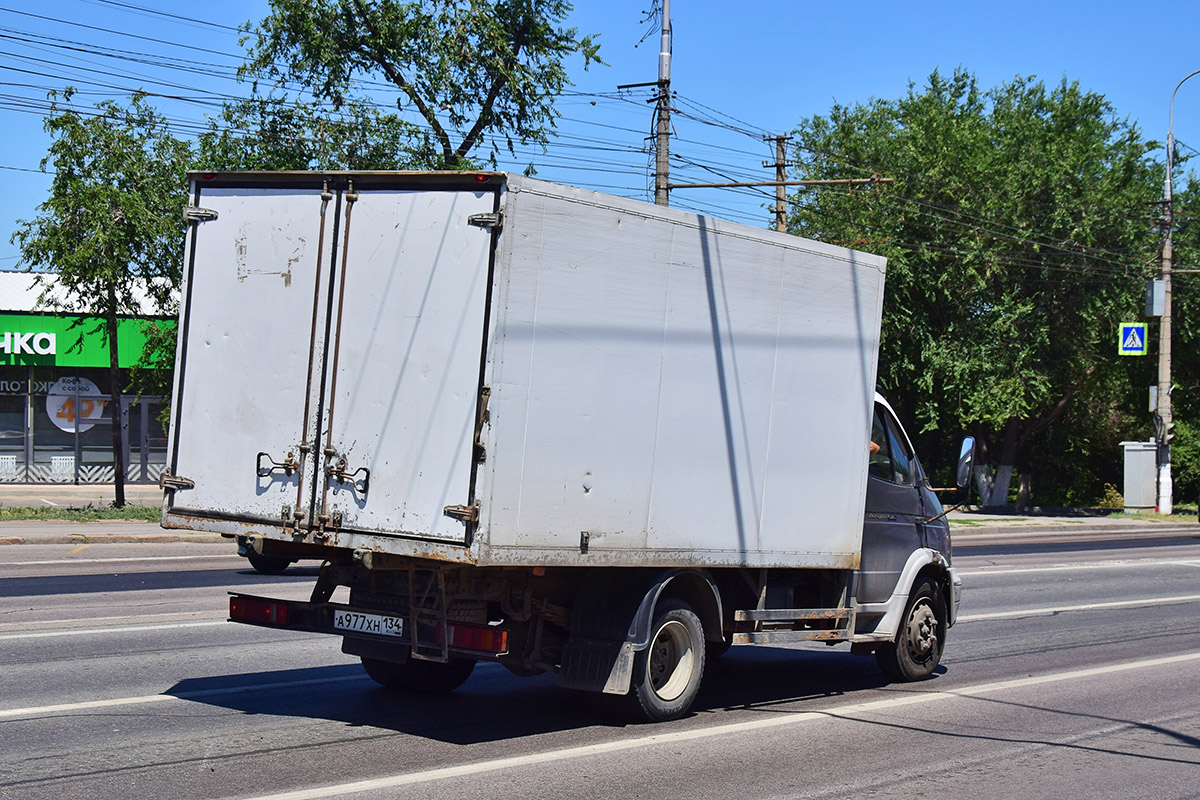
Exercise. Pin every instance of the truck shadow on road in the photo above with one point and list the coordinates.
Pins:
(494, 705)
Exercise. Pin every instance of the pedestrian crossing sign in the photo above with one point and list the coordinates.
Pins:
(1132, 340)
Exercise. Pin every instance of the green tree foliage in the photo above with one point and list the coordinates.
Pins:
(111, 229)
(278, 133)
(1019, 231)
(469, 70)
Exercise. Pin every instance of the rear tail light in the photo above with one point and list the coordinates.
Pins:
(485, 640)
(264, 612)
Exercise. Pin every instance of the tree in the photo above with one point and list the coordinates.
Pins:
(111, 230)
(277, 133)
(1018, 232)
(468, 69)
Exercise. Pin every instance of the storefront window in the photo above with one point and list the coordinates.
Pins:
(12, 437)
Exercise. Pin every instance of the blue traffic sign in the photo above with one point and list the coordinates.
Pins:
(1132, 339)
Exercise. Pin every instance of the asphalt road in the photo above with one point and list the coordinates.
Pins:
(1072, 673)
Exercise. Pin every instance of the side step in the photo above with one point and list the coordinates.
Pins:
(788, 625)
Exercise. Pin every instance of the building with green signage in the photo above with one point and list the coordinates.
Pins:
(55, 408)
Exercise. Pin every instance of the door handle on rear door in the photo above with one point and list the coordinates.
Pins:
(288, 465)
(341, 472)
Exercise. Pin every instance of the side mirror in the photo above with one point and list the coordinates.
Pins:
(966, 460)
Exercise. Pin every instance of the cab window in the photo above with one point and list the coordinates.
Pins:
(890, 459)
(901, 458)
(881, 459)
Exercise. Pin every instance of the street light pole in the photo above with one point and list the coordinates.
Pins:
(1163, 428)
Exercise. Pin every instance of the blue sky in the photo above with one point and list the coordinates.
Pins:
(753, 68)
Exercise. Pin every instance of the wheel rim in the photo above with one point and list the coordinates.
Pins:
(922, 638)
(671, 660)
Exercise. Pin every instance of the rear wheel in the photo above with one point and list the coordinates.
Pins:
(419, 676)
(917, 649)
(666, 675)
(268, 565)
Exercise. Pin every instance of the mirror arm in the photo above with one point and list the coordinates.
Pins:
(931, 520)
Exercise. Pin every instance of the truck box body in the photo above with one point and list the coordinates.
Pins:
(489, 369)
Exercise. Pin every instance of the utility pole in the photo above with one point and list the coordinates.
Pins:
(1163, 422)
(780, 180)
(1162, 416)
(662, 148)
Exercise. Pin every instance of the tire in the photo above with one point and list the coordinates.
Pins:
(917, 649)
(666, 675)
(268, 565)
(420, 676)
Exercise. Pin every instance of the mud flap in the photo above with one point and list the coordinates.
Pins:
(597, 665)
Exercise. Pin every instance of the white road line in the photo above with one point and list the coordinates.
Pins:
(128, 620)
(124, 629)
(1083, 566)
(116, 560)
(776, 721)
(34, 711)
(1041, 612)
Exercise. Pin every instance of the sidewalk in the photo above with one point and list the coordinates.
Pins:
(975, 524)
(50, 495)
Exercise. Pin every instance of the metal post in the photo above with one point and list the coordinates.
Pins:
(662, 148)
(1163, 420)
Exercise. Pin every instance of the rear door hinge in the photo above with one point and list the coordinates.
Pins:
(193, 214)
(463, 513)
(493, 219)
(174, 482)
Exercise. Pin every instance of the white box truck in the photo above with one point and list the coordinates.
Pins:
(547, 427)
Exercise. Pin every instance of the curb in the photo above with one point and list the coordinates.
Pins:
(83, 538)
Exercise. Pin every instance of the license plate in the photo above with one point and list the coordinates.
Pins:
(379, 624)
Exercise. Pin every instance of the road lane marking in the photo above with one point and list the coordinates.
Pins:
(495, 765)
(1041, 612)
(1086, 565)
(115, 560)
(128, 620)
(123, 629)
(77, 549)
(33, 711)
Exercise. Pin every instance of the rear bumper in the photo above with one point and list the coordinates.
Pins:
(463, 640)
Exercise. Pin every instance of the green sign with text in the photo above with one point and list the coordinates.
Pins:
(66, 341)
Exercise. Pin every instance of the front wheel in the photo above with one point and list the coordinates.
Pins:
(917, 649)
(420, 676)
(667, 674)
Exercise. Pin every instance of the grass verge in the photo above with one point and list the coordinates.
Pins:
(85, 514)
(1183, 513)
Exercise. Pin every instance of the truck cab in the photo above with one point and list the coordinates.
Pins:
(906, 538)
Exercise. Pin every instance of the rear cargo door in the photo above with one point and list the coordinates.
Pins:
(252, 335)
(404, 362)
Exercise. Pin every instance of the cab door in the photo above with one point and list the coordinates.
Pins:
(891, 526)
